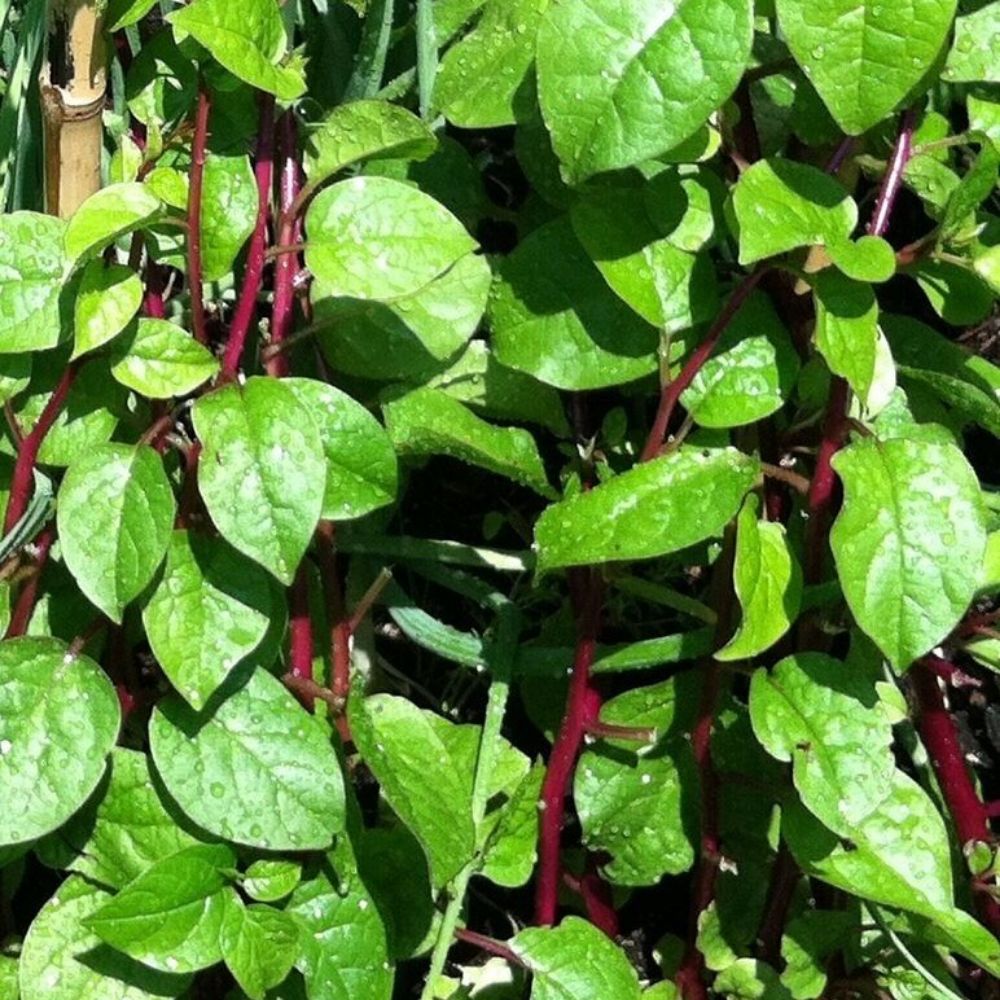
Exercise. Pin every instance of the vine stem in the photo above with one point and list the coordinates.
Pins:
(253, 276)
(286, 265)
(21, 616)
(940, 735)
(22, 482)
(300, 650)
(892, 182)
(501, 664)
(673, 389)
(427, 57)
(199, 147)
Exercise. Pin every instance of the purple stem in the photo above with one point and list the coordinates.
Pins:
(198, 150)
(287, 264)
(893, 179)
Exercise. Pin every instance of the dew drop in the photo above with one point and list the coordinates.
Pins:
(5, 746)
(217, 789)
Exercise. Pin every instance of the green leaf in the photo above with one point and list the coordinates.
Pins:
(33, 266)
(62, 960)
(871, 258)
(160, 360)
(908, 542)
(827, 719)
(975, 187)
(864, 58)
(781, 205)
(125, 828)
(768, 583)
(376, 238)
(553, 317)
(263, 472)
(408, 337)
(228, 212)
(169, 918)
(750, 375)
(510, 846)
(749, 979)
(259, 770)
(364, 130)
(575, 959)
(59, 719)
(666, 286)
(972, 58)
(809, 940)
(897, 856)
(430, 422)
(259, 946)
(658, 507)
(345, 953)
(480, 83)
(124, 13)
(956, 292)
(848, 336)
(247, 38)
(413, 763)
(270, 881)
(964, 381)
(209, 611)
(106, 302)
(107, 214)
(114, 515)
(15, 375)
(360, 460)
(619, 84)
(632, 802)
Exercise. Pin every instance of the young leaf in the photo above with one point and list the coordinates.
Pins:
(360, 460)
(62, 960)
(631, 799)
(271, 881)
(972, 58)
(259, 946)
(258, 770)
(375, 238)
(419, 778)
(430, 422)
(106, 301)
(125, 828)
(955, 291)
(480, 83)
(864, 58)
(109, 213)
(115, 513)
(619, 84)
(871, 258)
(229, 205)
(553, 317)
(780, 205)
(33, 266)
(170, 917)
(209, 611)
(658, 507)
(160, 360)
(262, 473)
(768, 584)
(364, 130)
(908, 542)
(575, 959)
(247, 38)
(59, 719)
(827, 719)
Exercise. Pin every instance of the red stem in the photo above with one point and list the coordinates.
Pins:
(22, 483)
(582, 705)
(198, 149)
(893, 180)
(286, 266)
(342, 627)
(21, 617)
(597, 898)
(300, 654)
(152, 303)
(489, 945)
(673, 390)
(253, 276)
(940, 736)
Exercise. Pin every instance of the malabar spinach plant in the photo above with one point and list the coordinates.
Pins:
(501, 500)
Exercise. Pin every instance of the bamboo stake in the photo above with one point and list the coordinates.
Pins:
(74, 85)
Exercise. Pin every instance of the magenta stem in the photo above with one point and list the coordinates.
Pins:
(286, 266)
(892, 182)
(198, 151)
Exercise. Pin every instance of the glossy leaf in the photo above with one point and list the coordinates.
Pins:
(258, 770)
(109, 213)
(106, 302)
(115, 513)
(871, 258)
(865, 58)
(59, 719)
(768, 584)
(973, 55)
(375, 238)
(429, 422)
(619, 84)
(228, 212)
(908, 542)
(259, 946)
(270, 881)
(209, 611)
(263, 471)
(661, 506)
(160, 360)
